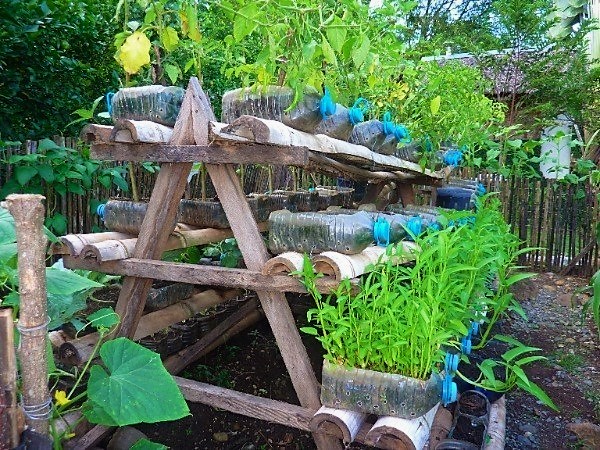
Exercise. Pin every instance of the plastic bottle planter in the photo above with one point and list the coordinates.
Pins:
(456, 198)
(188, 330)
(337, 125)
(273, 102)
(307, 201)
(127, 217)
(156, 342)
(280, 200)
(410, 152)
(156, 103)
(372, 392)
(471, 420)
(371, 135)
(159, 298)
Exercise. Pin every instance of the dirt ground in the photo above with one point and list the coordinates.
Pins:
(571, 376)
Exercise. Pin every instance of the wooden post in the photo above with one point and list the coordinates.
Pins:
(9, 431)
(28, 212)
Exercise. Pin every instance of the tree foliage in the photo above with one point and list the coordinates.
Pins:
(55, 57)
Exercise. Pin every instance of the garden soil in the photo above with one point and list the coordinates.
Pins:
(251, 363)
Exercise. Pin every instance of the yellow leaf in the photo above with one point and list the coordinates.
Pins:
(435, 105)
(134, 53)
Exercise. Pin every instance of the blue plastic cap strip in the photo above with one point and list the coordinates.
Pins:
(356, 114)
(481, 190)
(449, 390)
(465, 345)
(327, 106)
(415, 225)
(453, 157)
(100, 210)
(109, 96)
(381, 232)
(451, 363)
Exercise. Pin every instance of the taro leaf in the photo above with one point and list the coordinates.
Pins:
(104, 318)
(65, 282)
(25, 173)
(145, 444)
(137, 388)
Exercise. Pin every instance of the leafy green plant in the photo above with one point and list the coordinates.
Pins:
(226, 252)
(511, 364)
(67, 290)
(402, 317)
(124, 373)
(55, 171)
(593, 302)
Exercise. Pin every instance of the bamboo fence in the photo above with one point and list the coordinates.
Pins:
(557, 219)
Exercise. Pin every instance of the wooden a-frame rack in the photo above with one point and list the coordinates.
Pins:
(191, 141)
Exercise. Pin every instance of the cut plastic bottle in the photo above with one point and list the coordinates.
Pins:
(273, 102)
(371, 135)
(337, 125)
(160, 104)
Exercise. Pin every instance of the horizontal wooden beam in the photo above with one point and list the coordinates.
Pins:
(248, 405)
(197, 274)
(213, 154)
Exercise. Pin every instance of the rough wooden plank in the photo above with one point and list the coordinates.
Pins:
(248, 405)
(91, 439)
(197, 274)
(158, 223)
(407, 193)
(214, 154)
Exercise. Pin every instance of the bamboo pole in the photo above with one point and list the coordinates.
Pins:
(9, 430)
(28, 212)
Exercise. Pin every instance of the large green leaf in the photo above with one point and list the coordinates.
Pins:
(135, 388)
(62, 308)
(245, 23)
(145, 444)
(25, 173)
(336, 34)
(65, 282)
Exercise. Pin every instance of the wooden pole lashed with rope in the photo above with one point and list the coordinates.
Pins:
(28, 212)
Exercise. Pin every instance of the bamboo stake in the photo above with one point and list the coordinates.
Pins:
(9, 430)
(28, 212)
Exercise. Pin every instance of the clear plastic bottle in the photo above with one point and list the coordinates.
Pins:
(273, 102)
(160, 104)
(124, 216)
(371, 135)
(316, 232)
(337, 126)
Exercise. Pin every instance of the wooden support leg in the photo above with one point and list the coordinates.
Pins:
(274, 304)
(372, 191)
(158, 223)
(407, 194)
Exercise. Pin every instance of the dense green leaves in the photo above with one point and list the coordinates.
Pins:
(122, 394)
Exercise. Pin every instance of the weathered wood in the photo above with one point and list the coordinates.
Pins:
(9, 430)
(77, 352)
(112, 250)
(214, 154)
(284, 264)
(323, 164)
(28, 212)
(158, 222)
(340, 266)
(246, 404)
(407, 193)
(198, 274)
(89, 440)
(497, 425)
(140, 131)
(94, 133)
(73, 244)
(176, 363)
(372, 191)
(348, 423)
(574, 261)
(396, 433)
(442, 423)
(271, 132)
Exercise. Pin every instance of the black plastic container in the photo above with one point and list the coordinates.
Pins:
(455, 198)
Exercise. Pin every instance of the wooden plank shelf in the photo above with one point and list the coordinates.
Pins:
(198, 274)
